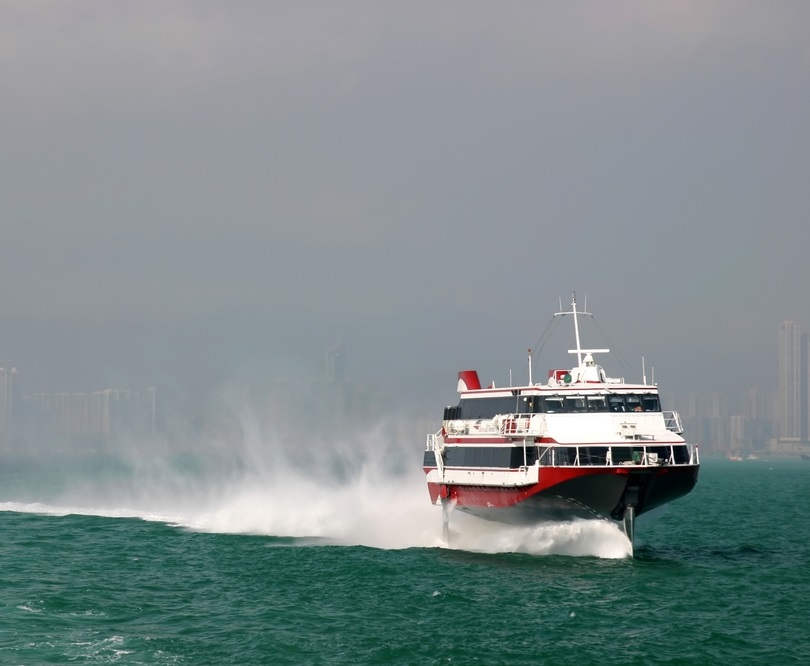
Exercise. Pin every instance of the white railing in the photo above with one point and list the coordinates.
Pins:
(617, 455)
(589, 455)
(521, 424)
(434, 443)
(672, 421)
(503, 424)
(535, 424)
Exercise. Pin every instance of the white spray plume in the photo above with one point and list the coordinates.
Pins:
(356, 487)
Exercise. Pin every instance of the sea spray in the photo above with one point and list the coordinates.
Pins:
(358, 486)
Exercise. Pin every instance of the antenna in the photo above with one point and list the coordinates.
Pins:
(643, 372)
(576, 327)
(530, 367)
(579, 351)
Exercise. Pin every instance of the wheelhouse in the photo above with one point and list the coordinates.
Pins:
(474, 408)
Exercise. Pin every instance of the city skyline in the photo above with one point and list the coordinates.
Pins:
(755, 420)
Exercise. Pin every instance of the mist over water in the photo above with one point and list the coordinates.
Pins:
(356, 487)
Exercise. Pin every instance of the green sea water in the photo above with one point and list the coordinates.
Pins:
(178, 560)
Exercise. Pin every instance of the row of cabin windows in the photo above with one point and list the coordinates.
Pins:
(486, 408)
(514, 457)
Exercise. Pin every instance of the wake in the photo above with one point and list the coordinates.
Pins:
(364, 490)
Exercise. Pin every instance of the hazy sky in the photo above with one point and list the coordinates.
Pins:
(200, 191)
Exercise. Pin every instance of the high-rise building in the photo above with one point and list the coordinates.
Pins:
(757, 408)
(8, 395)
(151, 410)
(794, 372)
(757, 404)
(91, 417)
(336, 363)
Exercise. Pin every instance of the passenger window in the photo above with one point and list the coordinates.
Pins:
(616, 403)
(575, 404)
(597, 404)
(650, 403)
(633, 403)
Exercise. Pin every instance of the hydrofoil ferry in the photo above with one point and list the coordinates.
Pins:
(580, 444)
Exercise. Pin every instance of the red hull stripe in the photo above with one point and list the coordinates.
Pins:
(503, 440)
(500, 496)
(480, 440)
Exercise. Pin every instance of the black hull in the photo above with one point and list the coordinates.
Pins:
(588, 496)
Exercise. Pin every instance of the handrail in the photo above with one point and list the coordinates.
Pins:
(434, 442)
(521, 424)
(536, 424)
(630, 454)
(672, 421)
(617, 455)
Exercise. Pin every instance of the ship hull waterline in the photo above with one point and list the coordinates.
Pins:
(570, 493)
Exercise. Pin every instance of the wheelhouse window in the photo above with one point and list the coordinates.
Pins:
(650, 402)
(575, 404)
(568, 404)
(597, 403)
(531, 404)
(632, 402)
(487, 408)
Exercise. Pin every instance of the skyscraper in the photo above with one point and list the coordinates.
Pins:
(794, 371)
(336, 363)
(8, 395)
(151, 410)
